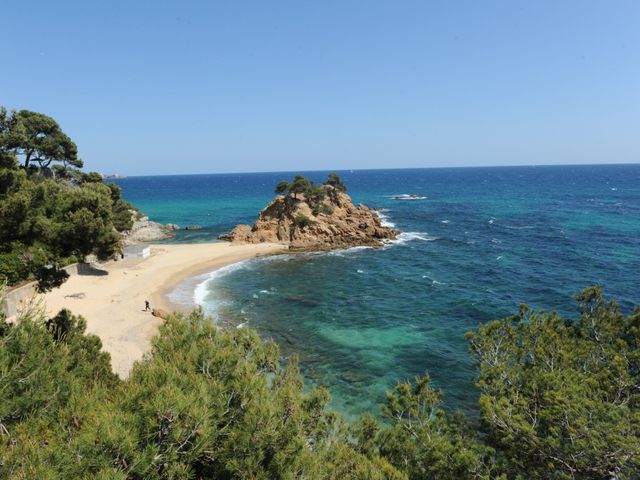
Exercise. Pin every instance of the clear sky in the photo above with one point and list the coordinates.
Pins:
(152, 87)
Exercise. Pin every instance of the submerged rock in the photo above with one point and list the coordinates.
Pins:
(330, 223)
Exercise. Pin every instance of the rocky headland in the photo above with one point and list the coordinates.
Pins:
(311, 217)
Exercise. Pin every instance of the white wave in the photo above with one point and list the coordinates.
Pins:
(524, 227)
(445, 221)
(341, 252)
(202, 289)
(384, 219)
(267, 292)
(241, 325)
(405, 237)
(499, 257)
(182, 294)
(491, 221)
(360, 271)
(407, 196)
(433, 280)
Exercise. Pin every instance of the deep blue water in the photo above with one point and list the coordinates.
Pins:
(483, 241)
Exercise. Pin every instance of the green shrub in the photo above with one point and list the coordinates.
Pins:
(323, 208)
(302, 221)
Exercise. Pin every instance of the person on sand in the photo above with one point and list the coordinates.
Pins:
(146, 306)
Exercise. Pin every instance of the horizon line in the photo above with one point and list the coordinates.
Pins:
(535, 165)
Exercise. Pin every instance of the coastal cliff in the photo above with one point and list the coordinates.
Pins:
(319, 217)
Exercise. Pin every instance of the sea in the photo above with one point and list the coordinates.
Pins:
(476, 244)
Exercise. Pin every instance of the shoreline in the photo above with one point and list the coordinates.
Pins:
(160, 297)
(113, 304)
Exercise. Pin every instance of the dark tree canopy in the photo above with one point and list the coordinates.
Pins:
(51, 216)
(283, 187)
(562, 397)
(37, 139)
(300, 184)
(312, 192)
(336, 182)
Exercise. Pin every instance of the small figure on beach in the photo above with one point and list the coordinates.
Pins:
(146, 306)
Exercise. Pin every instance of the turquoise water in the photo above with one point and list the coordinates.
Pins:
(483, 241)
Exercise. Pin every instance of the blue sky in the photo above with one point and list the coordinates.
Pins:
(198, 87)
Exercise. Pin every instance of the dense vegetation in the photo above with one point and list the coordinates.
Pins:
(51, 213)
(313, 194)
(558, 399)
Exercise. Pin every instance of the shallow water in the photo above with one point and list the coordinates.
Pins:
(483, 241)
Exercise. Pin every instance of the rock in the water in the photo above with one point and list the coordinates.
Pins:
(193, 227)
(333, 222)
(144, 230)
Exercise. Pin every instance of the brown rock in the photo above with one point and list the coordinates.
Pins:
(333, 223)
(158, 312)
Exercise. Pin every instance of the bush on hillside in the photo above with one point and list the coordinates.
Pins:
(302, 221)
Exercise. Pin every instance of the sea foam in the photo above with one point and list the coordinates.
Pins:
(201, 291)
(405, 237)
(384, 219)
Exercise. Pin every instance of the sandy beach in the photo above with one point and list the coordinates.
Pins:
(113, 304)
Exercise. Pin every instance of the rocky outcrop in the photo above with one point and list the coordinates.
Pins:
(145, 230)
(326, 224)
(158, 312)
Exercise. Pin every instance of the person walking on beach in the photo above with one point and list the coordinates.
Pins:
(146, 306)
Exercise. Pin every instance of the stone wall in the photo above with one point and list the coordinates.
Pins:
(17, 298)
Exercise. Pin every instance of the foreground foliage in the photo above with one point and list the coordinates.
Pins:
(558, 399)
(560, 396)
(206, 404)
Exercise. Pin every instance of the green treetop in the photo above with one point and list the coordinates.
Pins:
(300, 184)
(313, 193)
(52, 215)
(336, 182)
(37, 138)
